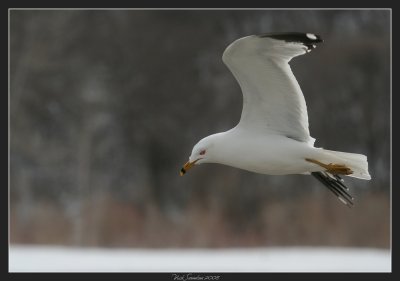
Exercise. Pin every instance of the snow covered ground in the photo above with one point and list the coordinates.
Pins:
(297, 259)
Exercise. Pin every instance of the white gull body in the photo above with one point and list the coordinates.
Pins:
(272, 136)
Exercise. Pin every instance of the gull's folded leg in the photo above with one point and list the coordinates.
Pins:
(334, 169)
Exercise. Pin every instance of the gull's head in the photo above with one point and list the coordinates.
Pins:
(201, 153)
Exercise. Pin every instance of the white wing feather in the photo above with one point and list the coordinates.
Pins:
(272, 99)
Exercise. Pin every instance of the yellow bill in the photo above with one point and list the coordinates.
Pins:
(188, 165)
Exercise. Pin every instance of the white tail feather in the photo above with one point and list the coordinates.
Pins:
(358, 163)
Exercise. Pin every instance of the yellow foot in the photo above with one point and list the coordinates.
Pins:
(334, 169)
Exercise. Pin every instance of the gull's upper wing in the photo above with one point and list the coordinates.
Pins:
(272, 98)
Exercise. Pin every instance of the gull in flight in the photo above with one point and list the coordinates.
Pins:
(272, 136)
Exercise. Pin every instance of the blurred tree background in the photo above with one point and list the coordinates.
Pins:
(105, 106)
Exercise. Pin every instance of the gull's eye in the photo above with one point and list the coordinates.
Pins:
(202, 152)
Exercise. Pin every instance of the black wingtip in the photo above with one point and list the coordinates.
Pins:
(308, 39)
(335, 184)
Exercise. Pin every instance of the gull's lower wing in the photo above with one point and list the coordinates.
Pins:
(335, 184)
(272, 98)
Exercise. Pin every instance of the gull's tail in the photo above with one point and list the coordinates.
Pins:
(349, 164)
(357, 163)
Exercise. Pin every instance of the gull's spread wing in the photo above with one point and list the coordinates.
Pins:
(272, 98)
